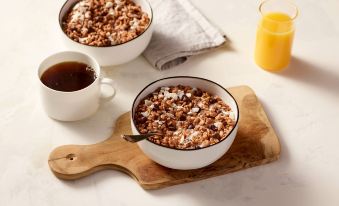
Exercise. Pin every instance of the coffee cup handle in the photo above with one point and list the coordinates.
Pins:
(109, 82)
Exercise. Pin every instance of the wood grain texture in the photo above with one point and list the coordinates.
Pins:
(255, 144)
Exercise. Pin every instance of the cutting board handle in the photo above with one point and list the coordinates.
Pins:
(75, 161)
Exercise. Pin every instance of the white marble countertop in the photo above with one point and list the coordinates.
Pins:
(302, 103)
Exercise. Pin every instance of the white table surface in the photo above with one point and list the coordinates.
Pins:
(302, 104)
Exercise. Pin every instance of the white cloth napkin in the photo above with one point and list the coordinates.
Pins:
(180, 31)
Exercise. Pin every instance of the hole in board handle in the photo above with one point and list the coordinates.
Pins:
(71, 157)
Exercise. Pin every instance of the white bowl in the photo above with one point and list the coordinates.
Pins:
(180, 158)
(116, 54)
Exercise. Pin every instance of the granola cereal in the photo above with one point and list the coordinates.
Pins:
(105, 22)
(186, 117)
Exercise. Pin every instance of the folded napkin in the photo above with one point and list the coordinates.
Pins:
(180, 31)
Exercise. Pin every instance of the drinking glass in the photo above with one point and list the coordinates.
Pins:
(275, 34)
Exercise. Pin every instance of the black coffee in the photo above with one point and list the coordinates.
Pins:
(68, 76)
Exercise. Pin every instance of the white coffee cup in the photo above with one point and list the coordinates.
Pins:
(75, 105)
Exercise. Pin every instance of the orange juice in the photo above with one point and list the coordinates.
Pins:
(274, 41)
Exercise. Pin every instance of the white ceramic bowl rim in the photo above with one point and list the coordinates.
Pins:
(192, 77)
(61, 18)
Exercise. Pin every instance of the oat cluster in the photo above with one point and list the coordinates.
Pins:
(105, 22)
(186, 117)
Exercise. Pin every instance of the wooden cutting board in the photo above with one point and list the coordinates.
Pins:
(255, 144)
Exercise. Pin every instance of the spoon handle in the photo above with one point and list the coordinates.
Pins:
(137, 138)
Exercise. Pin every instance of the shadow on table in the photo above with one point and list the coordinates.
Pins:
(94, 128)
(270, 184)
(312, 74)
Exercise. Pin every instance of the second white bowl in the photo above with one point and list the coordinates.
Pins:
(116, 54)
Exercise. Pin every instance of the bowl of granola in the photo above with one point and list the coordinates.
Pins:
(112, 31)
(195, 121)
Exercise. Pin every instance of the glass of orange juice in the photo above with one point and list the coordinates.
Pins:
(275, 34)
